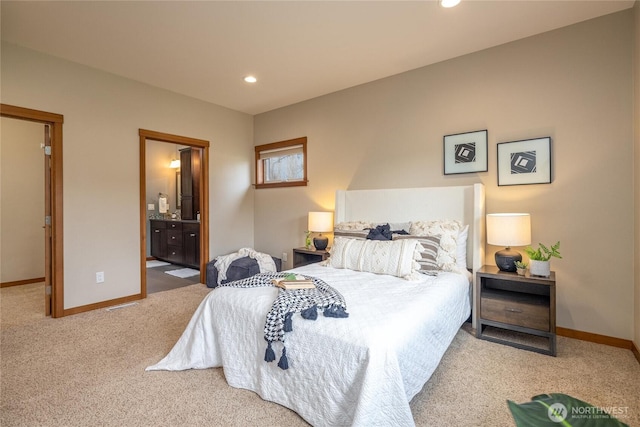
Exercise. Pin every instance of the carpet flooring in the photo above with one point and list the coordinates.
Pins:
(88, 370)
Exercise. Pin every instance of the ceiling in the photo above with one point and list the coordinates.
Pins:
(297, 49)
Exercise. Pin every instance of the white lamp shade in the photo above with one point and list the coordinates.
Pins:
(509, 229)
(175, 164)
(320, 222)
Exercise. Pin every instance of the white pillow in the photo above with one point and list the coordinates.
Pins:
(448, 231)
(461, 252)
(353, 225)
(394, 257)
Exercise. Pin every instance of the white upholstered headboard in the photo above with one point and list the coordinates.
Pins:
(463, 203)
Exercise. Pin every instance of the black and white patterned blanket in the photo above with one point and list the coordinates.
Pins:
(307, 302)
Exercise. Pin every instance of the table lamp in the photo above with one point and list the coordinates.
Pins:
(508, 229)
(320, 222)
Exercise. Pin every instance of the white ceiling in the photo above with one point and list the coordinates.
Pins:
(297, 49)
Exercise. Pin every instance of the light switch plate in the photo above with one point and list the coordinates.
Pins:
(151, 207)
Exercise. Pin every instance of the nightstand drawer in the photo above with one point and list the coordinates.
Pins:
(528, 311)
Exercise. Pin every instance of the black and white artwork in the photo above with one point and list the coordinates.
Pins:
(465, 152)
(524, 162)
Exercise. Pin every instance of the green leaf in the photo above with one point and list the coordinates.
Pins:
(558, 409)
(543, 253)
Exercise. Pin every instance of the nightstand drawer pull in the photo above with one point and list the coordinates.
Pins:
(513, 310)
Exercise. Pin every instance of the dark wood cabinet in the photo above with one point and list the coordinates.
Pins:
(517, 310)
(304, 256)
(177, 242)
(191, 244)
(158, 239)
(190, 183)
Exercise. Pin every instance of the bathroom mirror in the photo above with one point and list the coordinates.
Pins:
(178, 190)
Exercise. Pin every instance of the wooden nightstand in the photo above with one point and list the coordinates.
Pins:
(519, 311)
(304, 256)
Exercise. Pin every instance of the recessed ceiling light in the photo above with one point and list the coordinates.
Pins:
(250, 79)
(449, 3)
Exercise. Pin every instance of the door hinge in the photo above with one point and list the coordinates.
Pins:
(47, 220)
(47, 150)
(47, 289)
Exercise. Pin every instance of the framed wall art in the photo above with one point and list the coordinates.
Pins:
(524, 162)
(465, 152)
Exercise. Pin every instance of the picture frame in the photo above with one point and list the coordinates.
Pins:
(524, 162)
(465, 152)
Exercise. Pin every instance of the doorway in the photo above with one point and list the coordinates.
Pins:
(52, 215)
(193, 228)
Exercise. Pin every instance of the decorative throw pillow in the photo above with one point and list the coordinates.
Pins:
(396, 258)
(380, 232)
(448, 231)
(429, 252)
(353, 234)
(353, 225)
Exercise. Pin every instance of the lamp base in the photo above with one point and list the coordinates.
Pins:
(321, 242)
(506, 259)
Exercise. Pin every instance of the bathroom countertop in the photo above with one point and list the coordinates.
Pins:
(191, 221)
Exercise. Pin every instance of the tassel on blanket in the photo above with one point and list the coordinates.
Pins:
(310, 313)
(269, 355)
(288, 325)
(284, 362)
(335, 311)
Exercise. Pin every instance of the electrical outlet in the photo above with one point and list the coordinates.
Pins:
(100, 277)
(284, 257)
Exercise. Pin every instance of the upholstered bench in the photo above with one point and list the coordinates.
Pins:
(240, 268)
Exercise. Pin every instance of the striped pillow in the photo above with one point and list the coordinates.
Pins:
(429, 253)
(448, 231)
(352, 234)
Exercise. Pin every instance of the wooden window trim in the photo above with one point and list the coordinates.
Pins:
(275, 146)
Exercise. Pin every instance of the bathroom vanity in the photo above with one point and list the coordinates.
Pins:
(176, 241)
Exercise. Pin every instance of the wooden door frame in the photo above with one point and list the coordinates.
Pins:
(55, 121)
(204, 198)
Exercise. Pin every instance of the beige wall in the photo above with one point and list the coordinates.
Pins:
(572, 84)
(636, 117)
(21, 200)
(102, 115)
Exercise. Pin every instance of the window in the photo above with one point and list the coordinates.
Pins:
(282, 164)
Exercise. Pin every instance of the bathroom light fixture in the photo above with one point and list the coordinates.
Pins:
(449, 3)
(508, 229)
(175, 164)
(250, 79)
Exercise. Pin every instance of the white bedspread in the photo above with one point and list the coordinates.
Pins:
(360, 371)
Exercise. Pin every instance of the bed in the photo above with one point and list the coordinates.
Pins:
(362, 370)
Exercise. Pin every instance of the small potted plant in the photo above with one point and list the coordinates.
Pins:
(539, 258)
(521, 267)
